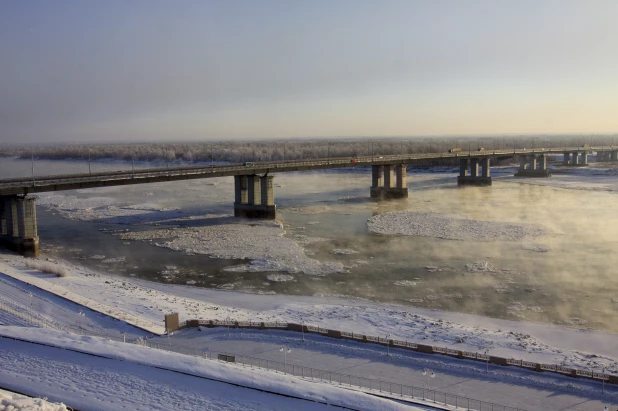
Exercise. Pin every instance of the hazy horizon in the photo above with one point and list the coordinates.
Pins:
(153, 71)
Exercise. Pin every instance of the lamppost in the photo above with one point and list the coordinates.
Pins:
(603, 380)
(432, 375)
(285, 350)
(227, 321)
(82, 321)
(32, 156)
(487, 363)
(302, 328)
(388, 345)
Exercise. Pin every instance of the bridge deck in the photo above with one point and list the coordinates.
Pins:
(38, 184)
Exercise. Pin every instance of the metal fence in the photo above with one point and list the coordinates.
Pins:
(427, 349)
(361, 383)
(41, 322)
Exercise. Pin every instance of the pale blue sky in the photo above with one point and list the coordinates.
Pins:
(163, 70)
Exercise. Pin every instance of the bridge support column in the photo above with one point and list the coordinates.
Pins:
(19, 226)
(3, 224)
(241, 193)
(485, 168)
(254, 197)
(614, 156)
(542, 163)
(388, 182)
(389, 176)
(523, 162)
(473, 178)
(566, 159)
(585, 158)
(538, 166)
(376, 176)
(474, 167)
(575, 161)
(463, 167)
(253, 188)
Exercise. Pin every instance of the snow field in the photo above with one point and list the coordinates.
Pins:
(128, 372)
(10, 401)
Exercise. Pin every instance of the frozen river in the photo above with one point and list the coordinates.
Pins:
(541, 250)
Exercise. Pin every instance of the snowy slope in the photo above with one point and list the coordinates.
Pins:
(144, 304)
(125, 378)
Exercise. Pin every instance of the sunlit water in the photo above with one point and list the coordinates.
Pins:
(573, 283)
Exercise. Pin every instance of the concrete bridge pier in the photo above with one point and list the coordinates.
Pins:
(389, 182)
(537, 166)
(254, 197)
(575, 161)
(614, 156)
(18, 224)
(566, 159)
(473, 178)
(585, 158)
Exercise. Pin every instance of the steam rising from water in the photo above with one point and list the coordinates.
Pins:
(568, 279)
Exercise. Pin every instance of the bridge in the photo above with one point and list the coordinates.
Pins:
(253, 181)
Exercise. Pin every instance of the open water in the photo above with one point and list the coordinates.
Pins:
(567, 276)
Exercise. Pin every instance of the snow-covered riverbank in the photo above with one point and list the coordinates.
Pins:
(142, 303)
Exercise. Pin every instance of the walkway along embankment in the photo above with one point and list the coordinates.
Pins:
(406, 345)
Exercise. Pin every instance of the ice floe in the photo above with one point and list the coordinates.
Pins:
(480, 267)
(279, 277)
(261, 242)
(113, 260)
(343, 251)
(105, 208)
(449, 227)
(540, 248)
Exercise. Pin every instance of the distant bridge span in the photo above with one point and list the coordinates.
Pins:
(40, 184)
(253, 182)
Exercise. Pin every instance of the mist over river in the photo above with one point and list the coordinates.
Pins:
(538, 249)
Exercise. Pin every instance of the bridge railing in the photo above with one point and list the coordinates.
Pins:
(206, 169)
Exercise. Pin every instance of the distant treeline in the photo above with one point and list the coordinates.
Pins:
(238, 152)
